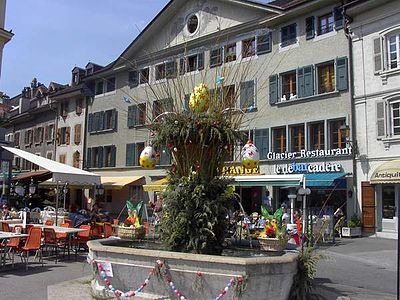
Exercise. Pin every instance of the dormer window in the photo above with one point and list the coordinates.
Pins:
(75, 78)
(89, 71)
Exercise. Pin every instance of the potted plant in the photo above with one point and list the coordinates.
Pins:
(353, 228)
(274, 236)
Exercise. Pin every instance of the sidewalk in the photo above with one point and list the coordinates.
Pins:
(359, 268)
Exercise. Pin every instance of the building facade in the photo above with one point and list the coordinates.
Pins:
(376, 59)
(5, 36)
(274, 61)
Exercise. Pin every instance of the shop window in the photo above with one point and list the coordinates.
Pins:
(326, 78)
(144, 76)
(288, 35)
(110, 84)
(160, 71)
(336, 136)
(215, 57)
(325, 23)
(279, 139)
(230, 52)
(249, 47)
(316, 136)
(388, 202)
(288, 86)
(296, 138)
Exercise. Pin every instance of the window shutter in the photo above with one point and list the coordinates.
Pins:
(261, 142)
(130, 154)
(113, 156)
(300, 83)
(77, 136)
(171, 69)
(114, 119)
(246, 94)
(96, 121)
(341, 74)
(133, 78)
(380, 119)
(67, 135)
(310, 27)
(182, 66)
(131, 115)
(264, 43)
(200, 61)
(377, 54)
(273, 89)
(58, 136)
(41, 134)
(89, 158)
(102, 121)
(90, 123)
(308, 73)
(338, 17)
(101, 158)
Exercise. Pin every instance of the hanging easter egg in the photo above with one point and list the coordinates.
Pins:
(147, 159)
(250, 156)
(200, 98)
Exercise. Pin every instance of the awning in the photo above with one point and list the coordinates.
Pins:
(323, 179)
(36, 175)
(120, 182)
(388, 172)
(61, 173)
(274, 180)
(156, 186)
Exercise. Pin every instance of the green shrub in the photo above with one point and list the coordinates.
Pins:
(354, 221)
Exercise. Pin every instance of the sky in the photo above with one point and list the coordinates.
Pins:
(51, 37)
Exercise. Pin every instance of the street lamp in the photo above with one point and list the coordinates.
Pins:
(99, 190)
(32, 187)
(19, 189)
(345, 131)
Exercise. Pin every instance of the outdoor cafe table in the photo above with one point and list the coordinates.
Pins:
(5, 236)
(58, 229)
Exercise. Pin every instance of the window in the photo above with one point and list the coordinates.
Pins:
(296, 138)
(325, 24)
(230, 52)
(170, 69)
(317, 136)
(76, 158)
(261, 137)
(165, 156)
(161, 106)
(28, 139)
(249, 47)
(110, 84)
(310, 30)
(99, 88)
(102, 121)
(388, 202)
(195, 62)
(38, 135)
(144, 76)
(215, 57)
(109, 156)
(62, 158)
(192, 24)
(247, 95)
(94, 157)
(160, 72)
(326, 78)
(264, 43)
(77, 134)
(137, 115)
(393, 49)
(133, 78)
(64, 135)
(133, 152)
(288, 35)
(17, 139)
(229, 96)
(50, 133)
(108, 119)
(288, 85)
(64, 109)
(49, 155)
(78, 106)
(336, 136)
(395, 114)
(279, 139)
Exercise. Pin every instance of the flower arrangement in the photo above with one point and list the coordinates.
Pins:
(133, 219)
(273, 237)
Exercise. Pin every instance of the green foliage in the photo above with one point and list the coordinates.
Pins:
(306, 270)
(194, 215)
(354, 221)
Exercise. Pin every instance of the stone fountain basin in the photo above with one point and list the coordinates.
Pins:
(267, 277)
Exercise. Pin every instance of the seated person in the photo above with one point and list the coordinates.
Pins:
(6, 215)
(95, 213)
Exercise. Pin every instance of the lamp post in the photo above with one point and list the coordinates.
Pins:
(99, 190)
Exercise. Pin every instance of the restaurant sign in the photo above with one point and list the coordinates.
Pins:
(237, 170)
(304, 154)
(307, 168)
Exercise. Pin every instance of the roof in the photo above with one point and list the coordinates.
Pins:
(285, 4)
(68, 90)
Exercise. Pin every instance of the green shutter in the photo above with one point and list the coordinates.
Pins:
(114, 119)
(90, 123)
(310, 27)
(89, 158)
(308, 73)
(101, 121)
(131, 114)
(113, 156)
(200, 61)
(300, 82)
(273, 89)
(261, 142)
(341, 74)
(264, 43)
(101, 158)
(130, 154)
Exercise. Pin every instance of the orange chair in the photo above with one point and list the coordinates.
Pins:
(50, 240)
(108, 230)
(13, 244)
(33, 243)
(69, 222)
(62, 236)
(96, 231)
(49, 222)
(28, 227)
(5, 227)
(81, 238)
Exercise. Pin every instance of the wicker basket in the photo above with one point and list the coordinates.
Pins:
(272, 244)
(131, 233)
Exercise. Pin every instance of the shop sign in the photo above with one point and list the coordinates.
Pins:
(239, 170)
(307, 168)
(304, 154)
(386, 175)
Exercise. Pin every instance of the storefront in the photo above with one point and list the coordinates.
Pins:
(386, 182)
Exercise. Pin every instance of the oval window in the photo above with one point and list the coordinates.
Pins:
(192, 24)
